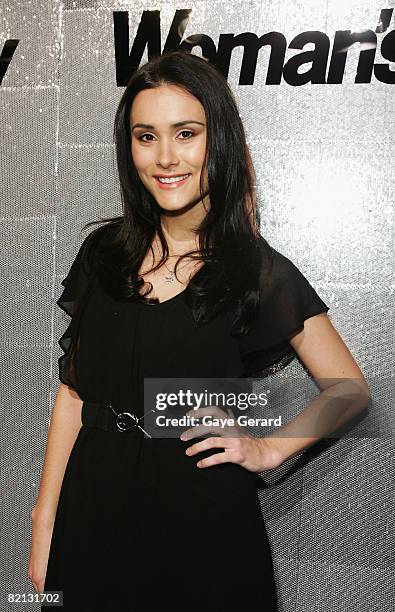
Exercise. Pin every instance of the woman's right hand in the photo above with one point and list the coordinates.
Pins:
(42, 528)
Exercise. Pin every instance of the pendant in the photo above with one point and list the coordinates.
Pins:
(169, 279)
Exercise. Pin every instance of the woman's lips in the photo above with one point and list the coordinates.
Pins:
(172, 185)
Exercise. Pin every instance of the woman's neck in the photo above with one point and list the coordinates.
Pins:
(180, 229)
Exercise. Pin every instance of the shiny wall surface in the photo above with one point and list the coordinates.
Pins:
(323, 154)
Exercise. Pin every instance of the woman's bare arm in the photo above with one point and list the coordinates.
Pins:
(344, 394)
(63, 430)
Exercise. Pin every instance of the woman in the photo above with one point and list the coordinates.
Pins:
(130, 521)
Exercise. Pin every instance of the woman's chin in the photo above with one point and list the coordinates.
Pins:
(177, 204)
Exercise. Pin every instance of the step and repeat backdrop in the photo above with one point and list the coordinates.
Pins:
(314, 84)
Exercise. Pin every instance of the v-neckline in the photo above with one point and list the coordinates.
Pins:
(180, 293)
(153, 303)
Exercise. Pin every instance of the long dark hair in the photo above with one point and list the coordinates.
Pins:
(230, 243)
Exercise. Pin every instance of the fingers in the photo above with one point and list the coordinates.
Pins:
(205, 444)
(38, 586)
(215, 459)
(214, 420)
(222, 429)
(233, 451)
(200, 430)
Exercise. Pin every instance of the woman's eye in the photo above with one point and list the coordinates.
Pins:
(187, 132)
(183, 132)
(142, 136)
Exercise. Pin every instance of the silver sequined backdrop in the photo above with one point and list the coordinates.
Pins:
(323, 156)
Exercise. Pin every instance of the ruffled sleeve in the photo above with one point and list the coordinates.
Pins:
(287, 299)
(77, 285)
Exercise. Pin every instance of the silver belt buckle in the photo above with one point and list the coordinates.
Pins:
(125, 420)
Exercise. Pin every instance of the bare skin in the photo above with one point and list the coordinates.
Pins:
(185, 271)
(168, 150)
(172, 155)
(322, 350)
(174, 151)
(63, 430)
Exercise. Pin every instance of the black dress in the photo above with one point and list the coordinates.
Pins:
(138, 524)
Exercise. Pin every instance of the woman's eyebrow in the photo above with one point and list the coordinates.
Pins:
(147, 126)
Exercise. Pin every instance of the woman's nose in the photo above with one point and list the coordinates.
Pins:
(166, 153)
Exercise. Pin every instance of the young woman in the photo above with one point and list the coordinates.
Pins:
(131, 522)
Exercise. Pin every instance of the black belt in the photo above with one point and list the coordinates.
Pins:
(104, 416)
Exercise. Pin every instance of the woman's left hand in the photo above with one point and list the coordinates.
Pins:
(254, 454)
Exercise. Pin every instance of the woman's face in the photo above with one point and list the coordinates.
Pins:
(162, 149)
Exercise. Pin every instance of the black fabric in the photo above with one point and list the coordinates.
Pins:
(138, 524)
(287, 299)
(78, 284)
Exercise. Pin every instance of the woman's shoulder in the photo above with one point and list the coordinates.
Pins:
(89, 251)
(283, 266)
(276, 268)
(86, 262)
